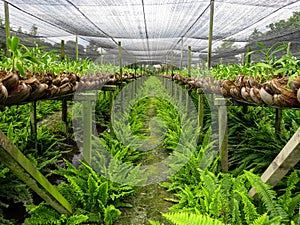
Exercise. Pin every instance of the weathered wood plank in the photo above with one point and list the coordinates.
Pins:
(284, 161)
(14, 159)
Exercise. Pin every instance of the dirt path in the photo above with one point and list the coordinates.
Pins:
(149, 201)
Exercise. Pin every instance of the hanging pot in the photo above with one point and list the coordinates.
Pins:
(11, 81)
(254, 94)
(235, 92)
(51, 92)
(65, 89)
(298, 95)
(252, 82)
(19, 94)
(266, 97)
(295, 84)
(75, 86)
(3, 94)
(245, 92)
(39, 92)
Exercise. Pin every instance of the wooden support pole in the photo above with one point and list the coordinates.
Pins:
(14, 159)
(64, 115)
(223, 133)
(33, 123)
(187, 105)
(200, 112)
(100, 55)
(135, 67)
(76, 48)
(278, 119)
(180, 94)
(87, 100)
(172, 62)
(120, 60)
(287, 158)
(62, 44)
(189, 60)
(210, 33)
(181, 54)
(7, 27)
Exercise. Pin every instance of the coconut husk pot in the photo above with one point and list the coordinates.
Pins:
(11, 81)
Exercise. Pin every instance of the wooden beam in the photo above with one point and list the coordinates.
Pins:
(14, 159)
(284, 161)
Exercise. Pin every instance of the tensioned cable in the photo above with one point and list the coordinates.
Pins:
(146, 30)
(95, 25)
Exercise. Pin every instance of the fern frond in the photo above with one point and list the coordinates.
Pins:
(182, 218)
(249, 208)
(77, 219)
(267, 195)
(260, 220)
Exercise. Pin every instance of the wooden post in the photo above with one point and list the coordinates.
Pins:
(135, 67)
(223, 133)
(64, 115)
(210, 33)
(87, 100)
(172, 62)
(33, 123)
(14, 159)
(76, 48)
(287, 158)
(62, 49)
(7, 27)
(120, 60)
(181, 54)
(278, 119)
(189, 60)
(200, 112)
(187, 105)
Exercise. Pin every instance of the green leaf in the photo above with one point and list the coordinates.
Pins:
(21, 69)
(110, 214)
(183, 218)
(264, 65)
(14, 43)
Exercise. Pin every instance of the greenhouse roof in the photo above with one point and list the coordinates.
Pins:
(156, 30)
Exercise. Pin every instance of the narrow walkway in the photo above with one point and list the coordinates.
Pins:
(149, 201)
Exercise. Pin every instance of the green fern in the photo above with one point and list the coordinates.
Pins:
(260, 220)
(182, 218)
(287, 201)
(267, 195)
(249, 208)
